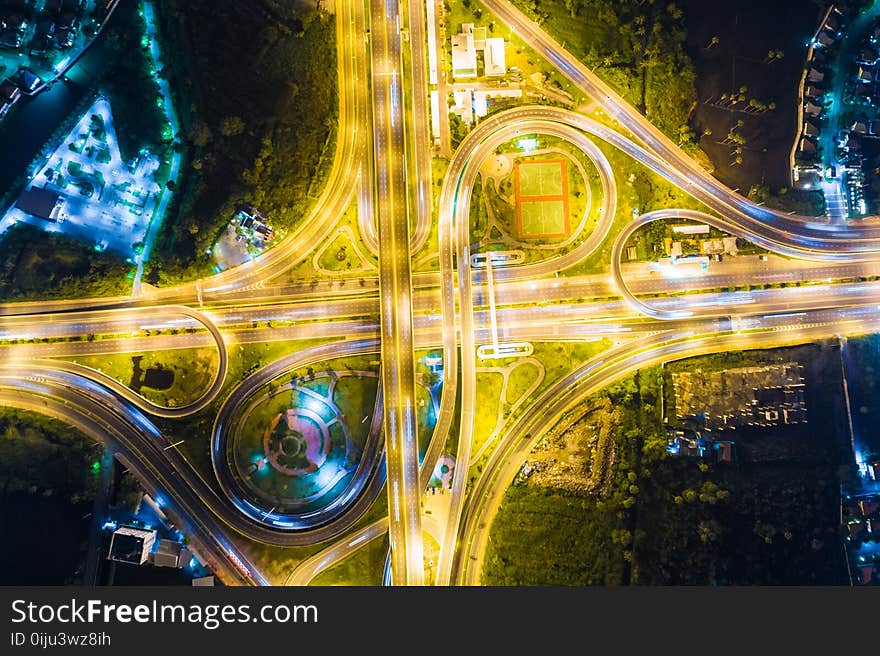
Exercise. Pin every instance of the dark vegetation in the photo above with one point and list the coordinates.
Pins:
(771, 518)
(47, 484)
(862, 369)
(132, 89)
(37, 265)
(256, 88)
(635, 46)
(545, 536)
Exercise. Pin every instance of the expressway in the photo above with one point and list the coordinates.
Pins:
(654, 140)
(581, 307)
(698, 339)
(208, 396)
(395, 284)
(683, 339)
(532, 328)
(100, 415)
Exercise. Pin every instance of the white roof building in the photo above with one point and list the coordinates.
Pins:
(691, 229)
(464, 56)
(464, 103)
(494, 57)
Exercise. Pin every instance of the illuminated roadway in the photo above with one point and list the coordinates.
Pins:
(395, 284)
(756, 318)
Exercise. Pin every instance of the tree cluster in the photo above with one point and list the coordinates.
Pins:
(257, 86)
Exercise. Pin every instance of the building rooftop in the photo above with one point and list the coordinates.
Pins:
(131, 545)
(494, 57)
(464, 56)
(41, 203)
(169, 554)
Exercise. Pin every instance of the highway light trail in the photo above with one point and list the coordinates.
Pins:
(395, 285)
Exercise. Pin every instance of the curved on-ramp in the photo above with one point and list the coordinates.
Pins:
(145, 404)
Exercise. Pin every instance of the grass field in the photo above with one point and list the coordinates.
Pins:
(541, 178)
(522, 377)
(363, 567)
(192, 371)
(542, 199)
(543, 219)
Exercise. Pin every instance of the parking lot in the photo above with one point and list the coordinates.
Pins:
(106, 201)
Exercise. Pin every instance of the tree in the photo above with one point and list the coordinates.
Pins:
(200, 134)
(232, 126)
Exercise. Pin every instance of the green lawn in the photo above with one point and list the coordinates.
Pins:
(340, 255)
(488, 398)
(543, 219)
(364, 567)
(540, 178)
(519, 381)
(355, 396)
(192, 370)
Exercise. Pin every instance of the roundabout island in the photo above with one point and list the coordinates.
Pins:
(295, 448)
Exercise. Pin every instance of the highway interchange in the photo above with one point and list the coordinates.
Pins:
(383, 160)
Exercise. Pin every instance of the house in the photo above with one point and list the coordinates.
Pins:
(9, 95)
(725, 451)
(815, 75)
(808, 146)
(482, 98)
(39, 44)
(28, 81)
(463, 104)
(825, 39)
(9, 92)
(812, 109)
(203, 581)
(819, 58)
(41, 203)
(866, 74)
(45, 27)
(853, 144)
(832, 24)
(810, 129)
(10, 39)
(815, 92)
(867, 55)
(860, 126)
(130, 544)
(874, 466)
(867, 573)
(874, 130)
(67, 20)
(64, 38)
(250, 218)
(863, 92)
(869, 505)
(13, 21)
(856, 530)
